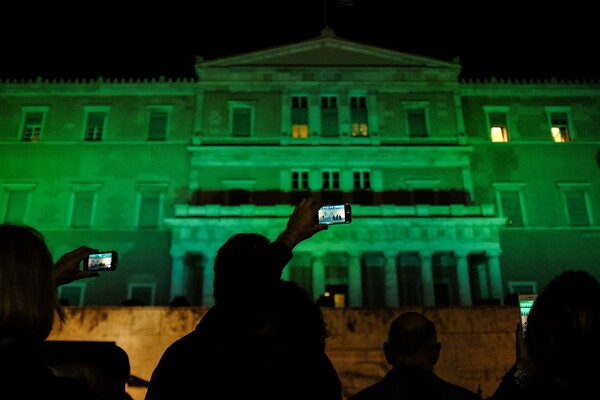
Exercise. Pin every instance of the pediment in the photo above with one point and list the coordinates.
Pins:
(327, 50)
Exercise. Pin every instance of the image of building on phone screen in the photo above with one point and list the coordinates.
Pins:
(331, 214)
(100, 262)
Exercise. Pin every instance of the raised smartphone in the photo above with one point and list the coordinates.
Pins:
(101, 261)
(525, 303)
(332, 214)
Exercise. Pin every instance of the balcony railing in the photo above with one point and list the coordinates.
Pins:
(237, 197)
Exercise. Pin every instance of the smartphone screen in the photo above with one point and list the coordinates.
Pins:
(525, 304)
(101, 261)
(335, 214)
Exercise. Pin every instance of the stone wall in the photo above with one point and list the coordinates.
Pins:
(477, 342)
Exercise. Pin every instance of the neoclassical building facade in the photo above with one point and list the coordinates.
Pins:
(463, 192)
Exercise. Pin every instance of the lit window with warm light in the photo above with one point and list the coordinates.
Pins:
(560, 128)
(32, 123)
(497, 122)
(499, 134)
(299, 117)
(358, 116)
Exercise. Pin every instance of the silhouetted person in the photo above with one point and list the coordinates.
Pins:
(263, 338)
(412, 349)
(559, 358)
(28, 307)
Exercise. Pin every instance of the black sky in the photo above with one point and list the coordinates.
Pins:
(117, 40)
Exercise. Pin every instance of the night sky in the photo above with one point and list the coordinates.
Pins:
(152, 39)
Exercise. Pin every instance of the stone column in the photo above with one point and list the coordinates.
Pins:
(391, 279)
(372, 114)
(462, 275)
(286, 114)
(318, 275)
(355, 295)
(496, 291)
(177, 275)
(427, 289)
(208, 279)
(314, 115)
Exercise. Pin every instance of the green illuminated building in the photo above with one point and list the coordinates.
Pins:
(462, 192)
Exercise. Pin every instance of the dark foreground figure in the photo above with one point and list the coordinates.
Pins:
(412, 349)
(264, 338)
(559, 358)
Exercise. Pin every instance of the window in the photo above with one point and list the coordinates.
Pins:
(83, 204)
(150, 204)
(299, 117)
(331, 180)
(329, 116)
(158, 123)
(416, 119)
(497, 122)
(559, 123)
(300, 180)
(510, 203)
(362, 180)
(358, 116)
(94, 125)
(72, 294)
(577, 203)
(33, 121)
(141, 293)
(17, 201)
(241, 115)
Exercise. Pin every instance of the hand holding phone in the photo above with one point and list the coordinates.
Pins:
(101, 261)
(332, 214)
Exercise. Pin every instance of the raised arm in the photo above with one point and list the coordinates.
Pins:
(302, 224)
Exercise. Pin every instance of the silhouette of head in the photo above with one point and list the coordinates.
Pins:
(563, 329)
(235, 259)
(28, 298)
(412, 340)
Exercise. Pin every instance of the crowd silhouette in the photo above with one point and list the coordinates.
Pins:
(266, 337)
